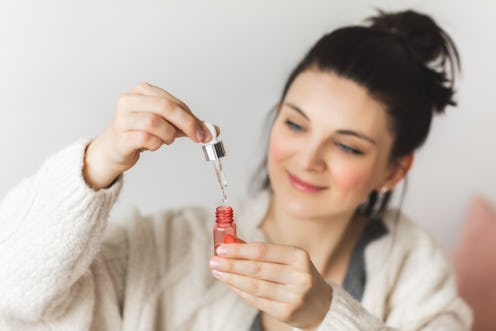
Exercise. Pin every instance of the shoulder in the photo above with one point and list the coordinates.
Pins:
(408, 236)
(407, 249)
(414, 269)
(409, 257)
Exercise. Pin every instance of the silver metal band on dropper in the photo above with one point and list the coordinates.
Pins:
(214, 151)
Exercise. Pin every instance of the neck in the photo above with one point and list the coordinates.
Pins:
(328, 240)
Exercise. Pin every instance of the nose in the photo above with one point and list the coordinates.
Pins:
(311, 157)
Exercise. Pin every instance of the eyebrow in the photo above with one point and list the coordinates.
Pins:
(358, 135)
(297, 109)
(343, 131)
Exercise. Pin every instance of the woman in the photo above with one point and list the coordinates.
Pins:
(322, 252)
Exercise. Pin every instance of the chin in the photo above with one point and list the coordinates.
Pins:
(300, 207)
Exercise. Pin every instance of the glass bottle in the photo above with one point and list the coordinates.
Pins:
(224, 228)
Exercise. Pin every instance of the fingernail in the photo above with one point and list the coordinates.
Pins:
(214, 264)
(207, 134)
(217, 273)
(222, 250)
(200, 135)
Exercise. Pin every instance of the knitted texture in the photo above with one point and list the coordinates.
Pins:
(62, 267)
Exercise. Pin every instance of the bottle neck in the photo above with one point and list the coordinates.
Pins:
(224, 216)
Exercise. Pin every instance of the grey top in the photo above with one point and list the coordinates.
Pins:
(355, 277)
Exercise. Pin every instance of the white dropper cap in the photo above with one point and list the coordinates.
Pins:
(214, 149)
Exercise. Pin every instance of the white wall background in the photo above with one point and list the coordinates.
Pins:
(63, 64)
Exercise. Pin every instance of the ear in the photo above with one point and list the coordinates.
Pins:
(397, 172)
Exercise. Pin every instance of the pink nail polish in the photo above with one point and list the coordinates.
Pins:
(200, 135)
(221, 250)
(214, 264)
(224, 226)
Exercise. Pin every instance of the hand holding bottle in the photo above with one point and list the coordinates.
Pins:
(146, 118)
(280, 280)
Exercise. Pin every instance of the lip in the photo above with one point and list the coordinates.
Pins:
(303, 186)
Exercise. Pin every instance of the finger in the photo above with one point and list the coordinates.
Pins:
(256, 287)
(145, 88)
(182, 119)
(273, 272)
(141, 140)
(284, 254)
(151, 123)
(217, 130)
(209, 137)
(271, 307)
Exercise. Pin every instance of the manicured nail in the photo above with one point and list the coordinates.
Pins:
(214, 264)
(222, 250)
(207, 134)
(200, 135)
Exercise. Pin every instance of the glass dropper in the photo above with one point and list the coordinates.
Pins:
(214, 151)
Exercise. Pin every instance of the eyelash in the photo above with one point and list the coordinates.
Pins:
(293, 126)
(348, 149)
(345, 148)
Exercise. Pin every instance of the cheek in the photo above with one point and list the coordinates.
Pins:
(353, 179)
(279, 148)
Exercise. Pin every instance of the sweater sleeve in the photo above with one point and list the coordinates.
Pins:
(345, 313)
(348, 314)
(422, 297)
(51, 226)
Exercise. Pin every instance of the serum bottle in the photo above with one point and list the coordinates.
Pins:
(224, 230)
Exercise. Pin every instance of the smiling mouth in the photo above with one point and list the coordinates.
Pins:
(303, 186)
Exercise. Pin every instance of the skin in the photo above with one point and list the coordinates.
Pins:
(322, 122)
(146, 118)
(331, 133)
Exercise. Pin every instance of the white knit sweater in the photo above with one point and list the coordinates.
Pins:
(62, 267)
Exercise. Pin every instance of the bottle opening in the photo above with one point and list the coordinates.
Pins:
(223, 214)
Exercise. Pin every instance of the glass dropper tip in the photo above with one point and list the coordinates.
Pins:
(221, 179)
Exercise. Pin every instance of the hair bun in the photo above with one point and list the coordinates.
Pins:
(431, 45)
(428, 41)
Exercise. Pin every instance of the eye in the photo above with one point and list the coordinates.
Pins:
(293, 126)
(348, 149)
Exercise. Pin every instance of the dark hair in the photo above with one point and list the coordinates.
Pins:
(405, 60)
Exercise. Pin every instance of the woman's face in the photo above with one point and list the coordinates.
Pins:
(329, 147)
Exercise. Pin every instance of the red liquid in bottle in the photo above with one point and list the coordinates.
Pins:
(224, 226)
